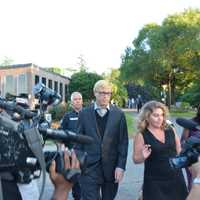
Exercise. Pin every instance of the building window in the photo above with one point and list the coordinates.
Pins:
(50, 83)
(61, 90)
(10, 86)
(44, 80)
(37, 79)
(22, 84)
(56, 86)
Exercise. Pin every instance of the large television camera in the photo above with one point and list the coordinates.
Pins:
(22, 139)
(190, 148)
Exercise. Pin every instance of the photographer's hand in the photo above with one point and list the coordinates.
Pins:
(195, 169)
(62, 187)
(195, 191)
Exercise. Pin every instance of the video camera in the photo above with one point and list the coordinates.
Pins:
(22, 140)
(190, 148)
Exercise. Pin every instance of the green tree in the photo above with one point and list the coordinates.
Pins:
(83, 82)
(167, 54)
(119, 94)
(192, 94)
(57, 70)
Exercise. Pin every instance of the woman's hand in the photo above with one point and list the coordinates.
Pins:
(146, 151)
(141, 151)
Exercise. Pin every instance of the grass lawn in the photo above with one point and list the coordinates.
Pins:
(131, 124)
(189, 114)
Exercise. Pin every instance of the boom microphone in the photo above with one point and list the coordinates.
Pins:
(54, 134)
(65, 136)
(187, 123)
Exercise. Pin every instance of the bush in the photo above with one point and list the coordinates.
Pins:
(58, 111)
(183, 107)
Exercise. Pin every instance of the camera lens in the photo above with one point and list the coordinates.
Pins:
(178, 162)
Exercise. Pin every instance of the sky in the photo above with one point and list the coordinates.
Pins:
(56, 32)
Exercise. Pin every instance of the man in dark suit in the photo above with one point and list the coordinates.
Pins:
(107, 156)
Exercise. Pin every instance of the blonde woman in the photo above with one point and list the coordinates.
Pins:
(154, 144)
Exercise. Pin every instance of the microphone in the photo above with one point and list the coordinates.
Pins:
(15, 108)
(65, 136)
(187, 123)
(9, 124)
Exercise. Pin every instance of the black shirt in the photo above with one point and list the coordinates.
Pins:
(101, 122)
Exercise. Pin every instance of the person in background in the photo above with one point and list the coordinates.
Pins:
(154, 144)
(107, 155)
(188, 133)
(139, 103)
(185, 135)
(132, 102)
(70, 122)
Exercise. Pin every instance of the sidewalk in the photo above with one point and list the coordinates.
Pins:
(132, 182)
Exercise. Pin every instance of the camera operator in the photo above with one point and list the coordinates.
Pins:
(61, 185)
(195, 190)
(10, 190)
(187, 134)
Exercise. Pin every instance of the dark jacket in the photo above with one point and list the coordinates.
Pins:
(70, 121)
(112, 150)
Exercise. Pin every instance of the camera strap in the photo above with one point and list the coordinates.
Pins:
(34, 140)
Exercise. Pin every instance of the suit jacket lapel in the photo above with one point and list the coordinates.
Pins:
(93, 121)
(111, 116)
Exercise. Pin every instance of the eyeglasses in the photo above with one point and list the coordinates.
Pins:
(105, 93)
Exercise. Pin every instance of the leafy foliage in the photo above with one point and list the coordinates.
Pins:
(57, 70)
(166, 54)
(57, 112)
(83, 82)
(119, 92)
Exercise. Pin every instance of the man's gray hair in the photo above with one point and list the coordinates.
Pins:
(74, 94)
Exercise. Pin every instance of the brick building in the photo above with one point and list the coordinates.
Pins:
(20, 78)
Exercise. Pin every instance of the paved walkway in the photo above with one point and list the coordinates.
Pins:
(129, 188)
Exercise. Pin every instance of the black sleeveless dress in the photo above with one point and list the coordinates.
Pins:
(161, 182)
